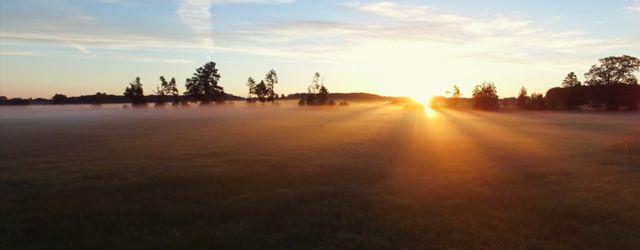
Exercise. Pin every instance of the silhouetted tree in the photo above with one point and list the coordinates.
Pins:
(252, 87)
(161, 92)
(317, 93)
(59, 99)
(610, 82)
(312, 91)
(485, 96)
(323, 95)
(271, 79)
(571, 81)
(203, 85)
(455, 98)
(134, 92)
(456, 92)
(168, 88)
(537, 102)
(614, 70)
(523, 99)
(262, 91)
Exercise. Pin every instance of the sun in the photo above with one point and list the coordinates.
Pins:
(425, 101)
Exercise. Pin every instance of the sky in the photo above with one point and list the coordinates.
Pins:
(394, 48)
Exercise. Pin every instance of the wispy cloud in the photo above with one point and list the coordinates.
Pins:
(499, 32)
(83, 49)
(635, 7)
(496, 37)
(196, 16)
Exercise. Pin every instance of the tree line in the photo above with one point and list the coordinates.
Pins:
(610, 85)
(203, 87)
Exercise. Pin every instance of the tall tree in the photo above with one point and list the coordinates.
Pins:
(485, 96)
(168, 88)
(571, 81)
(203, 85)
(252, 86)
(313, 90)
(262, 91)
(161, 90)
(614, 70)
(172, 89)
(271, 79)
(523, 99)
(134, 92)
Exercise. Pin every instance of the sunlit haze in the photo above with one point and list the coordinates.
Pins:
(398, 48)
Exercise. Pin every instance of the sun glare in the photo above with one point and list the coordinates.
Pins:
(425, 101)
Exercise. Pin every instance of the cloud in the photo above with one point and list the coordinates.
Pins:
(495, 33)
(635, 7)
(196, 17)
(400, 26)
(83, 49)
(114, 41)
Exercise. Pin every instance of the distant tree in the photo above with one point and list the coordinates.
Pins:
(523, 99)
(173, 90)
(134, 92)
(161, 91)
(59, 99)
(168, 88)
(614, 70)
(312, 91)
(455, 98)
(282, 96)
(262, 91)
(323, 95)
(203, 85)
(485, 97)
(571, 81)
(271, 79)
(537, 102)
(312, 95)
(252, 87)
(317, 93)
(456, 92)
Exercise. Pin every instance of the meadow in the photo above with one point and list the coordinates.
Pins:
(367, 176)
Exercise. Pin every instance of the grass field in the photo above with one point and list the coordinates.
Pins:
(270, 177)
